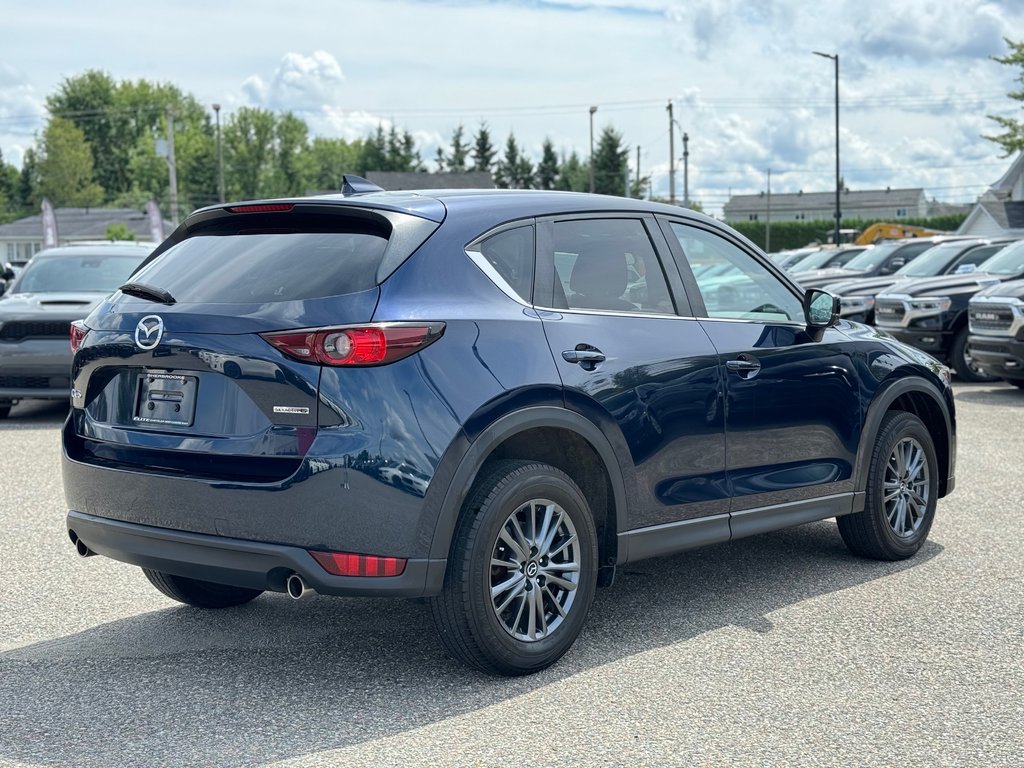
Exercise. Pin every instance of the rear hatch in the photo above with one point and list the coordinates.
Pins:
(177, 372)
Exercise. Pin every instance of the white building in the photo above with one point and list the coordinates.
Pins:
(1000, 210)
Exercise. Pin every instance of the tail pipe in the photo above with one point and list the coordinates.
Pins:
(80, 546)
(297, 588)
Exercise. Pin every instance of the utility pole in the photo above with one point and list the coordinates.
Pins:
(592, 111)
(172, 167)
(768, 217)
(639, 191)
(671, 156)
(220, 157)
(686, 170)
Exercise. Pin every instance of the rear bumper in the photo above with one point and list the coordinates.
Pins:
(998, 355)
(240, 563)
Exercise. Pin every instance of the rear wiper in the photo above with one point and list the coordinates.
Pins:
(143, 291)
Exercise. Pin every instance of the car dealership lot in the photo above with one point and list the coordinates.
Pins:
(775, 650)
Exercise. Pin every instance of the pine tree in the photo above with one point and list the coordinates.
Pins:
(483, 150)
(460, 150)
(610, 164)
(547, 169)
(1012, 137)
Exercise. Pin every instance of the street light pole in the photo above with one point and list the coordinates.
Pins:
(838, 213)
(592, 111)
(220, 157)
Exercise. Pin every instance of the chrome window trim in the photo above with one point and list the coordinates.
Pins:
(495, 277)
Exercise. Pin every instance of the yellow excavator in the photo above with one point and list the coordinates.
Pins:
(886, 231)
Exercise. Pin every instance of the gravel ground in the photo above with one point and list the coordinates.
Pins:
(777, 650)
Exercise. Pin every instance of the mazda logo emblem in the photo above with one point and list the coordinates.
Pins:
(149, 331)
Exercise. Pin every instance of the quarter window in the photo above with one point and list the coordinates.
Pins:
(511, 254)
(608, 264)
(733, 283)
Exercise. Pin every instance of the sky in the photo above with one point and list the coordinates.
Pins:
(916, 78)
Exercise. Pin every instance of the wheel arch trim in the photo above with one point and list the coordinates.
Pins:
(499, 431)
(883, 400)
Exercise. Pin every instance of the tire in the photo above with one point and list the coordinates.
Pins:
(512, 633)
(882, 531)
(201, 594)
(966, 369)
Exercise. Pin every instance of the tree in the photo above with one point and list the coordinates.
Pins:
(28, 181)
(456, 161)
(573, 175)
(547, 168)
(610, 164)
(292, 166)
(119, 231)
(1012, 137)
(331, 159)
(9, 202)
(483, 150)
(89, 102)
(65, 166)
(375, 152)
(248, 152)
(514, 170)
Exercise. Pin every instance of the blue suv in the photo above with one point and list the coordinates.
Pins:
(491, 399)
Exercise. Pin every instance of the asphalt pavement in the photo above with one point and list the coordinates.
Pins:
(779, 650)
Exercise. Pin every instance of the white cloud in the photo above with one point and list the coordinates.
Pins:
(299, 83)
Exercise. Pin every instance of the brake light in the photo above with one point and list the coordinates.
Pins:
(78, 333)
(346, 564)
(359, 346)
(262, 208)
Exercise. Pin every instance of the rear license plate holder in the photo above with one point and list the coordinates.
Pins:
(165, 398)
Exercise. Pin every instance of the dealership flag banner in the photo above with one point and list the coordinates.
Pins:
(49, 225)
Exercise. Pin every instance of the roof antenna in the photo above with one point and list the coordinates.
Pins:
(357, 185)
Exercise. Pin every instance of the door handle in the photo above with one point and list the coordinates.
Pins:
(747, 367)
(587, 358)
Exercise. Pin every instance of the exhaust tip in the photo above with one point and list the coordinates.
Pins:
(297, 588)
(82, 549)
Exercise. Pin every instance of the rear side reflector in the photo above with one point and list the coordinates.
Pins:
(365, 345)
(345, 564)
(78, 334)
(262, 208)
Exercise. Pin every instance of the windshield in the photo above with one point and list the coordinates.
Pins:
(872, 257)
(77, 273)
(1009, 261)
(933, 261)
(831, 258)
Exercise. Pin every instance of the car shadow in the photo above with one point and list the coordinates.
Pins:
(278, 679)
(1002, 395)
(31, 414)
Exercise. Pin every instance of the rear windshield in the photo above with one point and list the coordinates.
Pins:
(261, 266)
(77, 273)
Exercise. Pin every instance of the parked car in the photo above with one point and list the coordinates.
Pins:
(467, 404)
(996, 323)
(883, 259)
(789, 259)
(56, 287)
(857, 296)
(827, 258)
(931, 313)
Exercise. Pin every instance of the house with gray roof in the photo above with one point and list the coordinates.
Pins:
(21, 239)
(1000, 210)
(877, 204)
(394, 181)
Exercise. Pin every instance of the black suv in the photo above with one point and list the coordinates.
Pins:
(490, 399)
(931, 313)
(996, 322)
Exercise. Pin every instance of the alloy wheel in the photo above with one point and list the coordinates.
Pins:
(535, 570)
(906, 487)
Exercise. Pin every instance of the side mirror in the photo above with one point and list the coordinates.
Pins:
(821, 309)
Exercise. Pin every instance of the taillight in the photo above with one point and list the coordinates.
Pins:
(345, 564)
(377, 344)
(78, 334)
